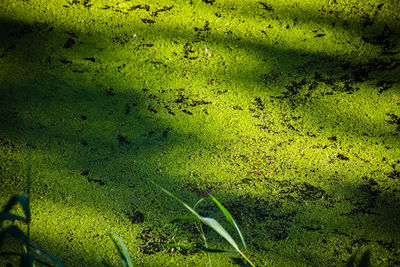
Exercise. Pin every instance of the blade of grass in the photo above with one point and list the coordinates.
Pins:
(15, 232)
(39, 258)
(221, 231)
(212, 223)
(229, 218)
(199, 227)
(197, 203)
(122, 250)
(177, 199)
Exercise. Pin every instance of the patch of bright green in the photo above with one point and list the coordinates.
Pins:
(287, 111)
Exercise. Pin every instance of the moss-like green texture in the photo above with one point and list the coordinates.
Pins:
(287, 111)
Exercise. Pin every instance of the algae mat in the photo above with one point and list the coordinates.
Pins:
(287, 111)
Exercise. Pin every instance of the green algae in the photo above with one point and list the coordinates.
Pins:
(287, 112)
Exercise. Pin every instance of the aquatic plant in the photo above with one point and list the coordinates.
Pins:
(198, 221)
(122, 252)
(210, 222)
(32, 252)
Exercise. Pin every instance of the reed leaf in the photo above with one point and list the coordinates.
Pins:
(15, 232)
(122, 250)
(230, 219)
(212, 223)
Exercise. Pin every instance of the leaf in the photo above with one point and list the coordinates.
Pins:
(39, 257)
(208, 221)
(122, 251)
(221, 231)
(15, 232)
(197, 203)
(55, 259)
(229, 218)
(180, 201)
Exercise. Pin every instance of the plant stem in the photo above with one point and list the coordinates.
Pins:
(200, 229)
(244, 256)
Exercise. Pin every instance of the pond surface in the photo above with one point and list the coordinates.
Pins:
(287, 112)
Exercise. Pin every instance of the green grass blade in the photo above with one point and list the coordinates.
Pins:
(40, 251)
(55, 259)
(38, 257)
(229, 218)
(15, 232)
(122, 250)
(197, 203)
(212, 223)
(120, 253)
(177, 199)
(200, 229)
(221, 231)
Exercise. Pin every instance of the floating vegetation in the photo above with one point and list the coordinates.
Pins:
(288, 112)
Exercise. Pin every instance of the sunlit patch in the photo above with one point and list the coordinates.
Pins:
(287, 111)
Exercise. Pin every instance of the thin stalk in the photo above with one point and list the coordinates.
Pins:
(244, 256)
(200, 229)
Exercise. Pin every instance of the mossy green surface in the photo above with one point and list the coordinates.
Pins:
(287, 111)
